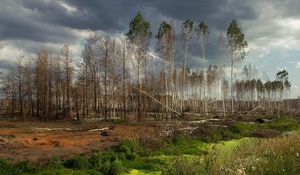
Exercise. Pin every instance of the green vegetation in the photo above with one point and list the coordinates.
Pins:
(267, 129)
(187, 154)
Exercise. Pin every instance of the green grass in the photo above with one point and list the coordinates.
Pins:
(140, 172)
(182, 144)
(279, 125)
(284, 124)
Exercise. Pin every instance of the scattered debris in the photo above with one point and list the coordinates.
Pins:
(262, 120)
(100, 129)
(104, 133)
(56, 129)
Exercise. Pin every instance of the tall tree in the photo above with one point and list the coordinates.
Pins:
(68, 77)
(139, 34)
(202, 34)
(166, 40)
(237, 48)
(187, 29)
(283, 85)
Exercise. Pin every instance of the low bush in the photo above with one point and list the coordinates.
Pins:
(183, 166)
(79, 162)
(55, 163)
(244, 129)
(24, 167)
(5, 167)
(274, 156)
(266, 133)
(284, 124)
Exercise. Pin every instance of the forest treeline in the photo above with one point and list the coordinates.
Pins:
(116, 77)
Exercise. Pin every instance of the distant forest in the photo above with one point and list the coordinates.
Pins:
(117, 79)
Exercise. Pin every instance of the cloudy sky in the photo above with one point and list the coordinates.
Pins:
(272, 28)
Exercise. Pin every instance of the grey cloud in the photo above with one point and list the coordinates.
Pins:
(17, 23)
(47, 21)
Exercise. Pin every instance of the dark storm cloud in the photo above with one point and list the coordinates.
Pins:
(50, 21)
(5, 64)
(115, 15)
(216, 12)
(17, 23)
(93, 15)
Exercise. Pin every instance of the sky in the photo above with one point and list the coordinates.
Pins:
(271, 27)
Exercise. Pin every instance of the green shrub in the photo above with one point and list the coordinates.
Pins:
(5, 167)
(274, 156)
(127, 145)
(24, 167)
(116, 167)
(212, 134)
(109, 155)
(55, 163)
(284, 124)
(183, 166)
(79, 162)
(106, 167)
(95, 161)
(244, 129)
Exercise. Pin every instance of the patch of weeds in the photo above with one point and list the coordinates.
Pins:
(183, 166)
(266, 133)
(55, 163)
(145, 163)
(24, 167)
(79, 162)
(95, 161)
(181, 144)
(210, 134)
(5, 167)
(284, 124)
(268, 156)
(116, 167)
(243, 129)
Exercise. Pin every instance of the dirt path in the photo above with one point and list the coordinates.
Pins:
(39, 141)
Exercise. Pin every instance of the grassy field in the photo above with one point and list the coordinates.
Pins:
(242, 148)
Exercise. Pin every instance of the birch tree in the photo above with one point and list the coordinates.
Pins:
(202, 35)
(236, 45)
(139, 34)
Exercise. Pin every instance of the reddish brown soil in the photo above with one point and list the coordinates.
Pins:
(40, 141)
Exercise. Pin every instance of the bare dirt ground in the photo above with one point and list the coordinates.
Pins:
(40, 141)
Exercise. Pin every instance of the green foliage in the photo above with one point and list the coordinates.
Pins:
(5, 167)
(139, 28)
(243, 129)
(164, 28)
(95, 161)
(273, 127)
(55, 163)
(24, 167)
(202, 28)
(210, 134)
(269, 156)
(183, 166)
(181, 144)
(79, 162)
(284, 124)
(188, 26)
(236, 39)
(116, 167)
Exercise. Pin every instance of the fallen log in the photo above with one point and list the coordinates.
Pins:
(145, 93)
(99, 129)
(257, 107)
